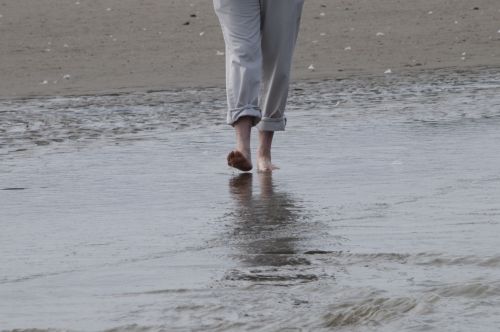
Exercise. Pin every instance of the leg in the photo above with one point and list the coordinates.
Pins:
(240, 22)
(280, 26)
(241, 158)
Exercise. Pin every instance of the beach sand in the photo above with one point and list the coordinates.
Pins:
(55, 47)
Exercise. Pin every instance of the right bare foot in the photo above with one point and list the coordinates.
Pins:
(264, 164)
(239, 161)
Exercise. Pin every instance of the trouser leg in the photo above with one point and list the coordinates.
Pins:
(240, 22)
(280, 27)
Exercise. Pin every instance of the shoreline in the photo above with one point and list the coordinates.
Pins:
(344, 76)
(55, 48)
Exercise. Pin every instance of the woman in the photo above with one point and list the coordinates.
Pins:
(260, 37)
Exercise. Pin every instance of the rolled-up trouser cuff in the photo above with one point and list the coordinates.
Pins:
(248, 110)
(272, 124)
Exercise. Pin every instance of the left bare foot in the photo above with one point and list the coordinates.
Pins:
(239, 161)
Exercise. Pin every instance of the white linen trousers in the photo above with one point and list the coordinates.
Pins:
(260, 37)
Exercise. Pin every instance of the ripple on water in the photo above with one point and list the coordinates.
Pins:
(374, 309)
(370, 311)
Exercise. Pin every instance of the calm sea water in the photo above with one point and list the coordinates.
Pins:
(118, 213)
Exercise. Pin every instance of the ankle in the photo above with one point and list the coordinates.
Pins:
(244, 150)
(264, 153)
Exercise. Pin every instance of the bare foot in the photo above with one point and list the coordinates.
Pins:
(264, 164)
(239, 161)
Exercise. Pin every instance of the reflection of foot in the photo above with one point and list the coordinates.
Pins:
(241, 186)
(264, 164)
(239, 161)
(266, 185)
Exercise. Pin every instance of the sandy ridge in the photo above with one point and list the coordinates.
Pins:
(56, 47)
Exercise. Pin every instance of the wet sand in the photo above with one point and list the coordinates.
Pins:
(55, 47)
(386, 219)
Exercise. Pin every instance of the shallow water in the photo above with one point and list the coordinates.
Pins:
(118, 213)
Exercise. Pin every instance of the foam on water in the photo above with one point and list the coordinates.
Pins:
(383, 217)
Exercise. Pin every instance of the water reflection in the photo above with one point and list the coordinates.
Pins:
(267, 226)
